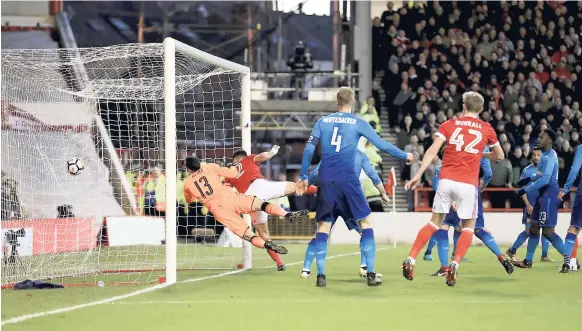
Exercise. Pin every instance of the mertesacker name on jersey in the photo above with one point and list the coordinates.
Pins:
(345, 120)
(468, 123)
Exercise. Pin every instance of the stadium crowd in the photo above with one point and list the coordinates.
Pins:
(525, 58)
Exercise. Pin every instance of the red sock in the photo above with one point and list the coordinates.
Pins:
(463, 244)
(575, 250)
(272, 209)
(422, 238)
(311, 189)
(258, 242)
(275, 257)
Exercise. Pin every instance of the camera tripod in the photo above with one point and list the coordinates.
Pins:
(12, 262)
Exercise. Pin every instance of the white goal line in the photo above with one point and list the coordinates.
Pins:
(23, 318)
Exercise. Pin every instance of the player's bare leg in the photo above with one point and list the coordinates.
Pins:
(422, 238)
(261, 226)
(462, 247)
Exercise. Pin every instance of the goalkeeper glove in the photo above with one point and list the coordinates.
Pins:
(524, 181)
(275, 149)
(520, 192)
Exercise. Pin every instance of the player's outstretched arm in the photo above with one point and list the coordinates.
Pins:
(371, 173)
(576, 165)
(487, 171)
(266, 155)
(429, 156)
(366, 130)
(313, 175)
(306, 160)
(436, 178)
(227, 172)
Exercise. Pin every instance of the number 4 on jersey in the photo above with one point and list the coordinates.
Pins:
(336, 140)
(457, 140)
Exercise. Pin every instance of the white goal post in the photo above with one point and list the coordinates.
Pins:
(170, 47)
(153, 104)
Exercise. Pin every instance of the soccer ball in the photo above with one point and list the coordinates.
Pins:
(75, 165)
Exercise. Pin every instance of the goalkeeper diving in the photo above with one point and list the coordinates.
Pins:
(362, 163)
(204, 184)
(250, 181)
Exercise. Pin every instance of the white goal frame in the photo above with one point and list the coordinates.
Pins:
(170, 47)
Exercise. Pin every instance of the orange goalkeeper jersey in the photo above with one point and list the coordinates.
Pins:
(205, 185)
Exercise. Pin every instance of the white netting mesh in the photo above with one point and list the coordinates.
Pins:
(58, 104)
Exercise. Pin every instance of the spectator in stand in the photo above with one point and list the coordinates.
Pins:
(400, 102)
(374, 157)
(518, 163)
(369, 114)
(388, 13)
(411, 147)
(524, 57)
(502, 178)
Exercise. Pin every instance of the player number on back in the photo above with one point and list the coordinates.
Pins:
(336, 140)
(206, 189)
(457, 139)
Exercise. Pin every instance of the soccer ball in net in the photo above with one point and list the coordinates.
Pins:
(75, 165)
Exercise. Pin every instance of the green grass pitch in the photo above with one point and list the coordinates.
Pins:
(485, 298)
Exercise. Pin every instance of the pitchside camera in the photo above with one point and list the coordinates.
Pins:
(11, 236)
(301, 58)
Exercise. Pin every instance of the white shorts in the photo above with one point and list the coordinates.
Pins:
(464, 195)
(265, 190)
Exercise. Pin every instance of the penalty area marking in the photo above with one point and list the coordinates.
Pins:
(27, 317)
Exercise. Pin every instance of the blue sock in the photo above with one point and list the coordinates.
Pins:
(558, 243)
(443, 246)
(369, 248)
(309, 255)
(431, 243)
(521, 238)
(362, 256)
(532, 243)
(456, 236)
(569, 243)
(321, 251)
(545, 246)
(489, 241)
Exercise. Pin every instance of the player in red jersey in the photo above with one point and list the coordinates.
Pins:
(250, 181)
(465, 139)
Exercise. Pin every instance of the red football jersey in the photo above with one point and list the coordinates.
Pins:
(465, 138)
(248, 171)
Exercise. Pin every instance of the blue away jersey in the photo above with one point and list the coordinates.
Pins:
(531, 172)
(485, 167)
(362, 162)
(548, 167)
(339, 134)
(574, 171)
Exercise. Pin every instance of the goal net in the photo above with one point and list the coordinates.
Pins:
(132, 113)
